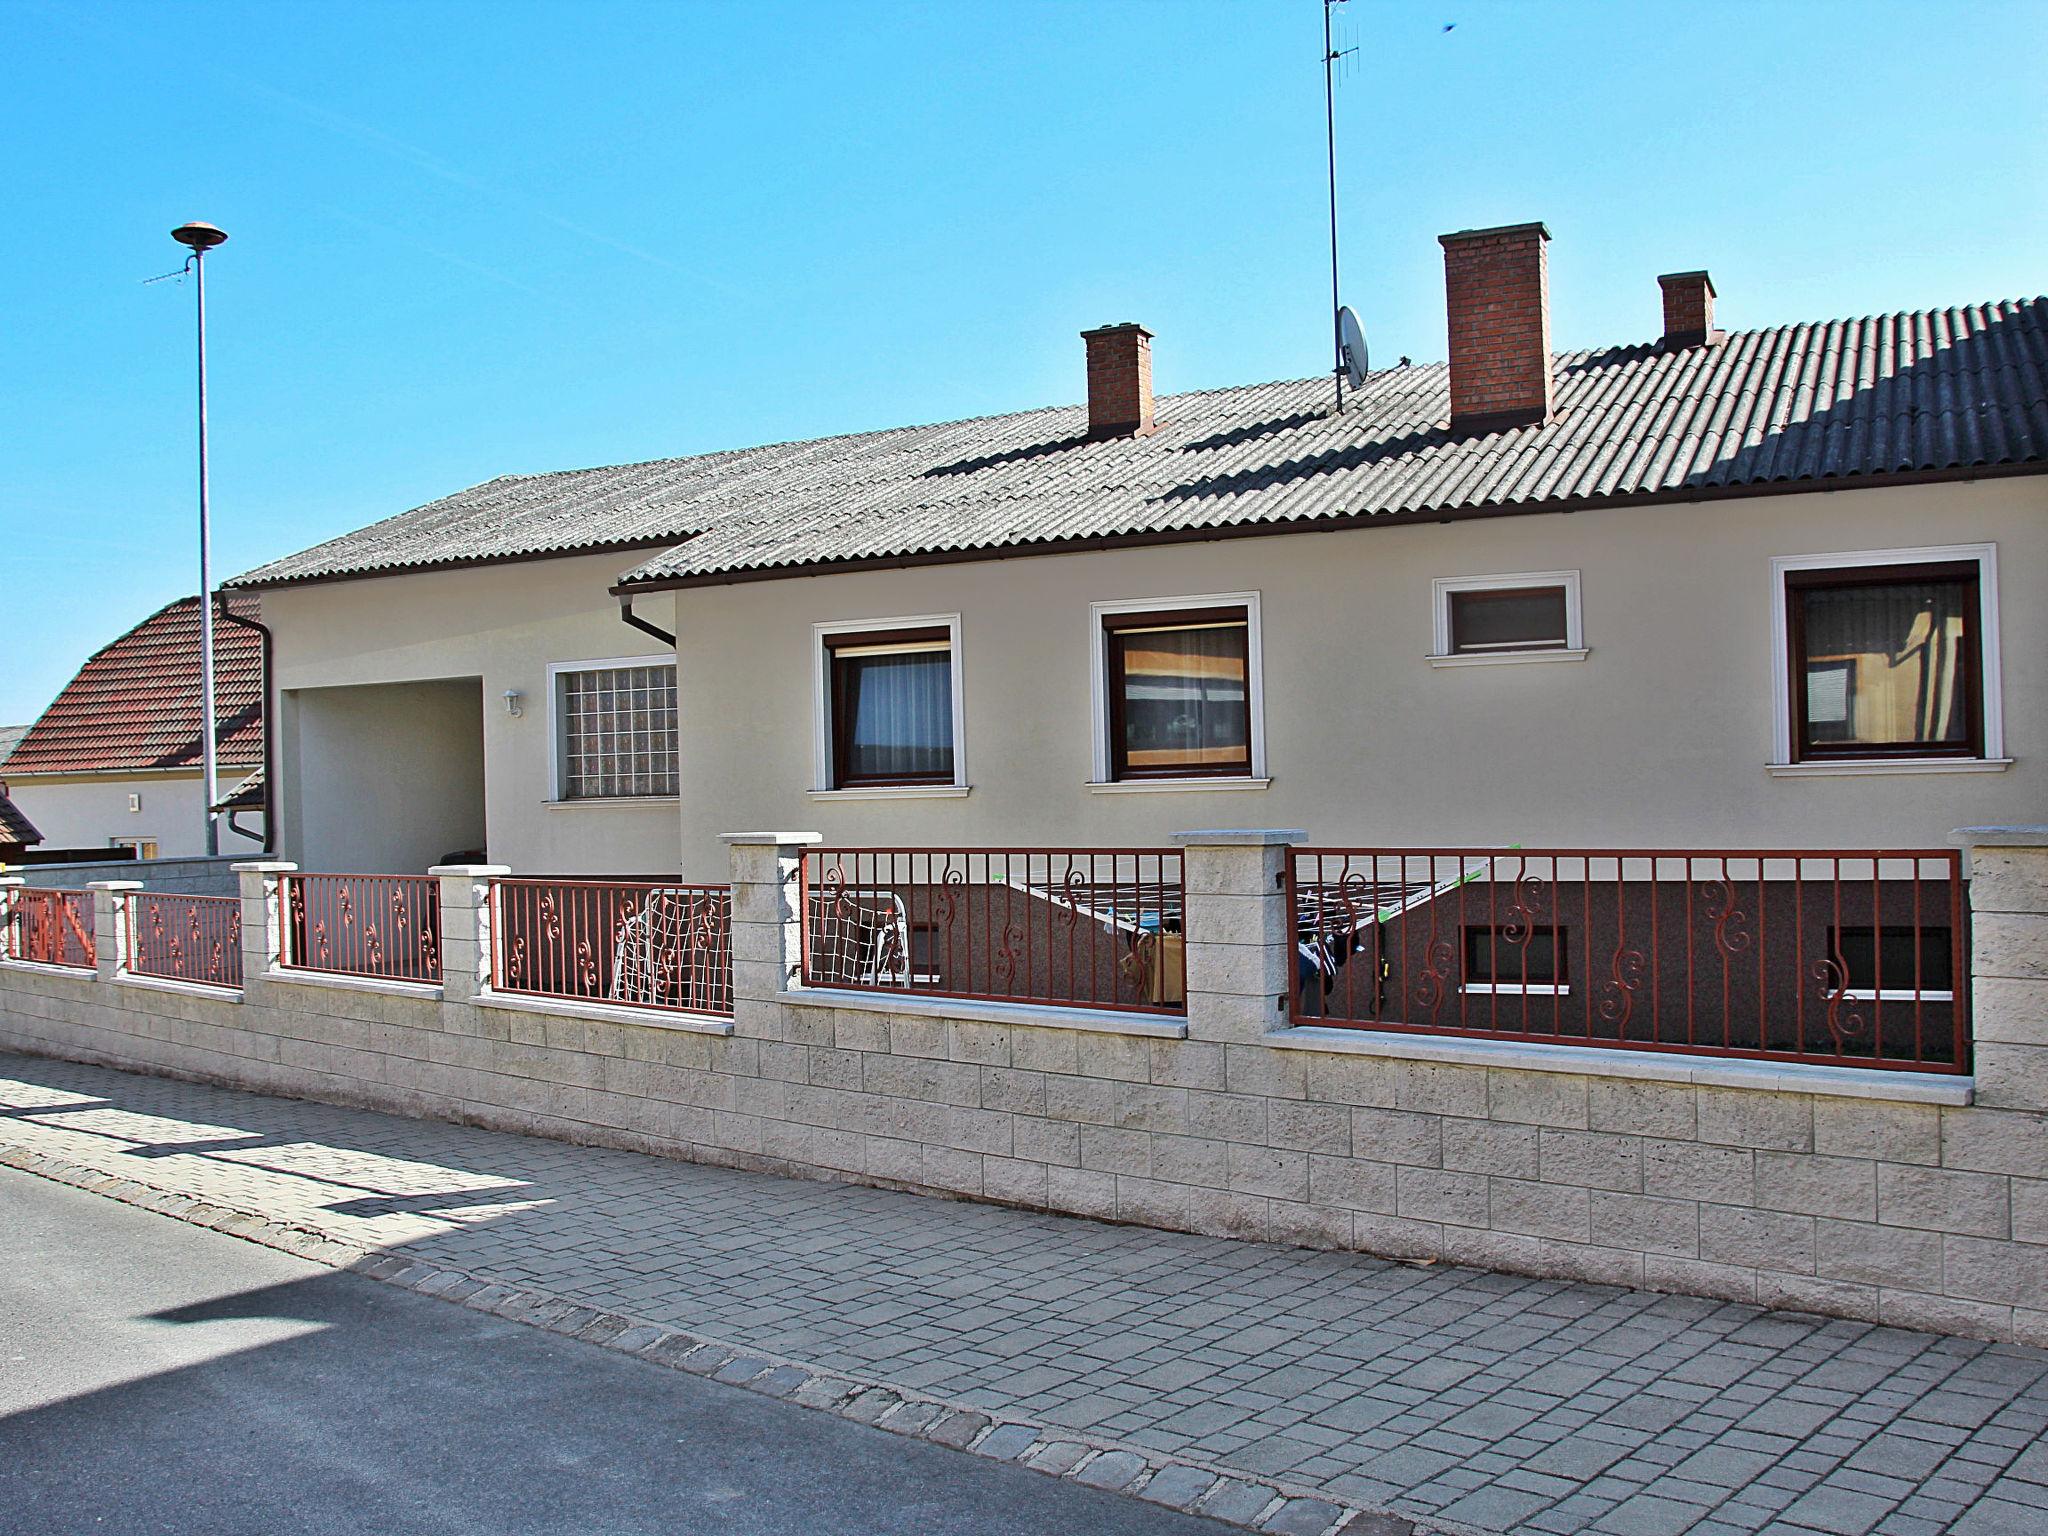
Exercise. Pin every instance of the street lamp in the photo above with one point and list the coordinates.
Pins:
(201, 238)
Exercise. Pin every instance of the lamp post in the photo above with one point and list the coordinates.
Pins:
(201, 238)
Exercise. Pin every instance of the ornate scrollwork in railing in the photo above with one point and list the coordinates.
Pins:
(185, 938)
(1703, 952)
(1099, 928)
(383, 927)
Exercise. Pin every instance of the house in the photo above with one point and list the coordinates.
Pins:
(114, 762)
(1771, 588)
(17, 832)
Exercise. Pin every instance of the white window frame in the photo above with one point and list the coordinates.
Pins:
(821, 711)
(1098, 692)
(1990, 684)
(558, 741)
(1440, 608)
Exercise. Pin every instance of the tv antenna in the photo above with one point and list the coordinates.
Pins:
(1332, 56)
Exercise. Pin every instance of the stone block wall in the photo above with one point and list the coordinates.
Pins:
(1914, 1199)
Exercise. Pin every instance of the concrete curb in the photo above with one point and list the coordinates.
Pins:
(1192, 1487)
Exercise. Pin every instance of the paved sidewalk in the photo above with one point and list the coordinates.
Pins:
(1491, 1401)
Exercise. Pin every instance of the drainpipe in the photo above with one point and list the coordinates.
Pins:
(269, 732)
(626, 612)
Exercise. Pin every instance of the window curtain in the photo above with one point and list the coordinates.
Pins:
(901, 710)
(1185, 699)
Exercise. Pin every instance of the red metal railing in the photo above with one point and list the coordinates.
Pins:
(646, 943)
(382, 926)
(185, 938)
(1095, 927)
(1842, 958)
(48, 927)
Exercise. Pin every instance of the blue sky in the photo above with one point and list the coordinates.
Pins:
(469, 240)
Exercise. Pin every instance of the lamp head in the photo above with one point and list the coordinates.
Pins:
(200, 237)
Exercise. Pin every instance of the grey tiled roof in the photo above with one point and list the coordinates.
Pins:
(1928, 393)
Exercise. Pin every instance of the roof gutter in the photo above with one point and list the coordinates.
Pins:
(1336, 522)
(269, 722)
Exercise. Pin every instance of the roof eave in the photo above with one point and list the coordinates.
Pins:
(463, 562)
(1329, 524)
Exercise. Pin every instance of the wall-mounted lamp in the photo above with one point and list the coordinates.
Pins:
(514, 701)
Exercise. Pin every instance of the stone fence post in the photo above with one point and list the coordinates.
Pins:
(2008, 869)
(767, 927)
(9, 884)
(263, 917)
(1241, 955)
(110, 925)
(466, 940)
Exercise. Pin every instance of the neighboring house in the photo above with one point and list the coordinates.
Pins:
(114, 762)
(1773, 588)
(17, 832)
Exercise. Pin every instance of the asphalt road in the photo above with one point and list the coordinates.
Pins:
(158, 1378)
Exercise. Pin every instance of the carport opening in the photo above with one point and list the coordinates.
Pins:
(386, 778)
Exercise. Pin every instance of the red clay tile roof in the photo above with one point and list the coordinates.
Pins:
(136, 703)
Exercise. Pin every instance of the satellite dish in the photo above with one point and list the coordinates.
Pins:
(1351, 343)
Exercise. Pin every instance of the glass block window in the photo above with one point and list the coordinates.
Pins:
(618, 731)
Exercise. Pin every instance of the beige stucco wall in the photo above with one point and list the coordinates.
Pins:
(391, 777)
(1659, 738)
(88, 812)
(505, 625)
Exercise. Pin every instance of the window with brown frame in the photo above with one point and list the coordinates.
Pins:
(1885, 661)
(890, 707)
(1179, 692)
(1487, 621)
(1899, 962)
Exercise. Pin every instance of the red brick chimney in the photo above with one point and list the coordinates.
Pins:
(1688, 310)
(1497, 290)
(1119, 381)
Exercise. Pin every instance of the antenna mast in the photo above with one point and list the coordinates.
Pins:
(1331, 54)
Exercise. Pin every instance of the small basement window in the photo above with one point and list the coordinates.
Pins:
(1533, 616)
(1525, 961)
(1897, 963)
(889, 701)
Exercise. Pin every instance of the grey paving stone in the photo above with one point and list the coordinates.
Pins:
(1497, 1507)
(1648, 1515)
(1839, 1511)
(1111, 1469)
(1301, 1517)
(1178, 1487)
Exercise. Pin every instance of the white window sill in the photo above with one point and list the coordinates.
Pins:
(1515, 989)
(222, 993)
(39, 968)
(429, 991)
(896, 792)
(1506, 658)
(1166, 786)
(609, 1013)
(1901, 995)
(1106, 1021)
(1826, 770)
(1954, 1089)
(602, 802)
